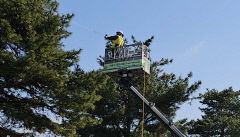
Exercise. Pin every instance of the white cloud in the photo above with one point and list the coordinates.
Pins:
(196, 49)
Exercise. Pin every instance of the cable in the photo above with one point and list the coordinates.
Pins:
(89, 29)
(144, 86)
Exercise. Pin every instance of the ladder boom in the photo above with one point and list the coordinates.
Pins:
(166, 122)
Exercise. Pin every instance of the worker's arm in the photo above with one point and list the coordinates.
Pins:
(111, 37)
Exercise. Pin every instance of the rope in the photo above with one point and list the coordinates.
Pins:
(89, 29)
(144, 86)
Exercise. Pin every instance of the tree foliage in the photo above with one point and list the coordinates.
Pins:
(222, 114)
(38, 91)
(121, 110)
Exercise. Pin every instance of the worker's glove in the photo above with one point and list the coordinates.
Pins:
(106, 36)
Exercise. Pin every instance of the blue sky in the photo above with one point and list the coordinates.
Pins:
(202, 36)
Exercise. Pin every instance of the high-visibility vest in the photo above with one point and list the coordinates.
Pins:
(119, 41)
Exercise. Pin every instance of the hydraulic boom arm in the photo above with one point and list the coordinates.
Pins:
(166, 122)
(126, 83)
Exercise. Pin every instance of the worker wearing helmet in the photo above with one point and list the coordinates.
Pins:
(116, 40)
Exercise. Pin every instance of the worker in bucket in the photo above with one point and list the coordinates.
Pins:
(116, 40)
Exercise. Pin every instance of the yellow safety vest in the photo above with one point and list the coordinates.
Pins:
(119, 41)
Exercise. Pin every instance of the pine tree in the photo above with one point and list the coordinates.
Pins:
(222, 114)
(37, 93)
(121, 110)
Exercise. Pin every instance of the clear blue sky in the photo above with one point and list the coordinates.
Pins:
(202, 36)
